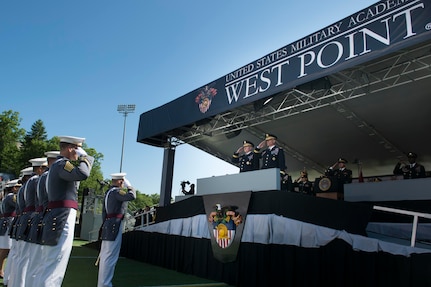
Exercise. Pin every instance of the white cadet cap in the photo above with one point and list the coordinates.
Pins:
(72, 140)
(40, 161)
(13, 182)
(52, 154)
(26, 171)
(120, 175)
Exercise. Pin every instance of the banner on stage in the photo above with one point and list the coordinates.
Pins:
(226, 215)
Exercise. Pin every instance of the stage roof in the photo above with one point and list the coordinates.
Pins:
(359, 88)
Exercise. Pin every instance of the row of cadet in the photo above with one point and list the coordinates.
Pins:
(248, 157)
(38, 215)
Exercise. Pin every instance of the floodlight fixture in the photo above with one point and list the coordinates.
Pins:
(125, 110)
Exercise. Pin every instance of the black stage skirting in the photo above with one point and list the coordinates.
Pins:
(334, 264)
(336, 214)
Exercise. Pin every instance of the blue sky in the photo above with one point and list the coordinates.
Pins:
(71, 63)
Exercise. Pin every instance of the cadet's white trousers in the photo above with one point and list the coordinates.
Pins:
(33, 263)
(10, 262)
(19, 269)
(109, 252)
(54, 259)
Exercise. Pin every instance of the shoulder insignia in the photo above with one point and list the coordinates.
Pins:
(14, 198)
(68, 166)
(84, 159)
(122, 192)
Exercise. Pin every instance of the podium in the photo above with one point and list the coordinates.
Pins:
(328, 187)
(256, 180)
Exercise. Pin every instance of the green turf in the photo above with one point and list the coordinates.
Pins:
(82, 272)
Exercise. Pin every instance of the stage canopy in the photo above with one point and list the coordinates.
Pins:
(359, 88)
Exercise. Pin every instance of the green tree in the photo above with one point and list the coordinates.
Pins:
(53, 144)
(11, 137)
(155, 198)
(92, 183)
(96, 175)
(143, 200)
(35, 143)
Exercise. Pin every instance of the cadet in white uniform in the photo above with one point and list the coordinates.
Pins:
(58, 224)
(23, 251)
(11, 267)
(34, 234)
(114, 208)
(8, 207)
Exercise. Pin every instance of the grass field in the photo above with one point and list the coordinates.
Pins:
(81, 272)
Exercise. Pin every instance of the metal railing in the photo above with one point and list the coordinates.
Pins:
(142, 219)
(415, 215)
(145, 218)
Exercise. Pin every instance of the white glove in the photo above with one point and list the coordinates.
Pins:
(127, 183)
(80, 152)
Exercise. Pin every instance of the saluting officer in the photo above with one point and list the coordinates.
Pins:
(340, 172)
(58, 225)
(245, 157)
(303, 184)
(410, 170)
(273, 157)
(114, 208)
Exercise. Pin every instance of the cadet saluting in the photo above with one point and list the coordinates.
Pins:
(114, 207)
(58, 225)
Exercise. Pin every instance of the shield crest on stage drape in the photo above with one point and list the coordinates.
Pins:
(226, 213)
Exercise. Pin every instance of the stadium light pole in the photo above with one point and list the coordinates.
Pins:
(125, 110)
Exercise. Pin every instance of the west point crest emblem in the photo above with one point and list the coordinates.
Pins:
(224, 221)
(226, 215)
(205, 97)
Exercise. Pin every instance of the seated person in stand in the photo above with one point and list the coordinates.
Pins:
(410, 170)
(246, 159)
(339, 171)
(303, 185)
